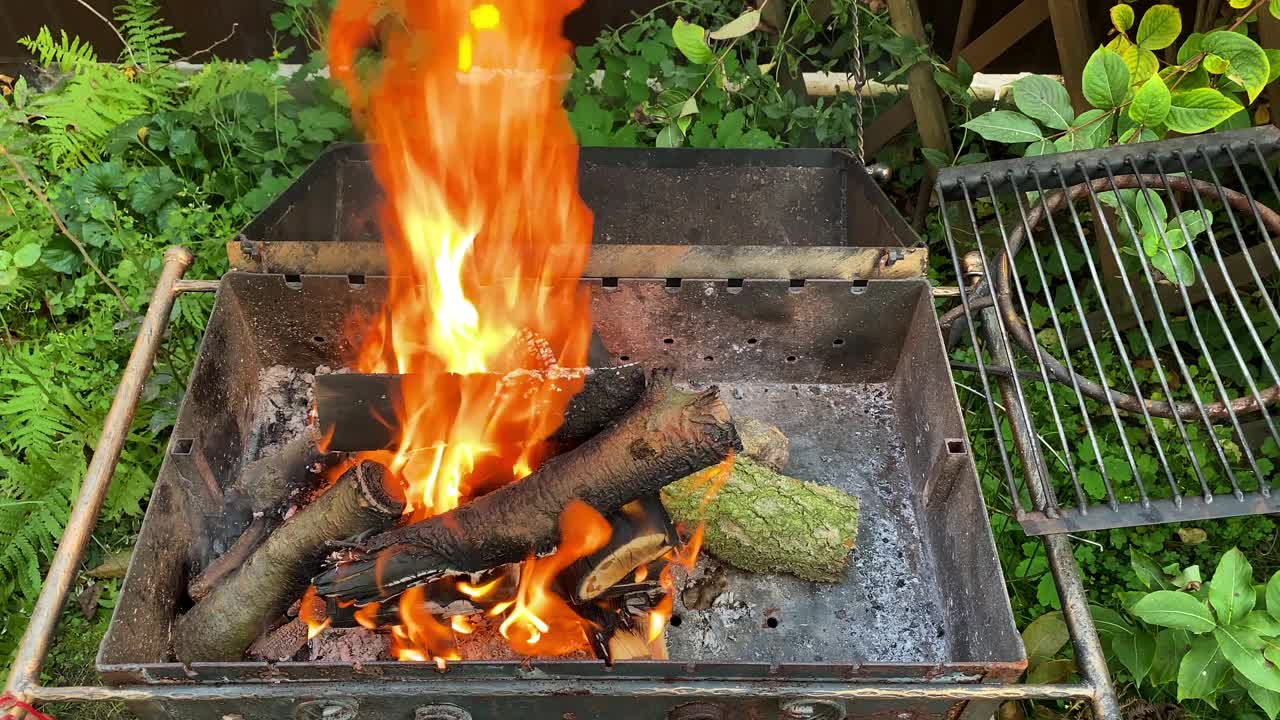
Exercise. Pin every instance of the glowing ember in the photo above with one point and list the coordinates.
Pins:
(540, 621)
(311, 611)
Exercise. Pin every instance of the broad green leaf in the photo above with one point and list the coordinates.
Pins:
(1243, 649)
(739, 26)
(1273, 62)
(1231, 591)
(1176, 240)
(1040, 147)
(1043, 99)
(1273, 596)
(1150, 104)
(1201, 669)
(1268, 700)
(5, 258)
(26, 256)
(1179, 269)
(1045, 637)
(1261, 623)
(1122, 17)
(1169, 608)
(691, 40)
(1053, 671)
(1171, 645)
(1194, 222)
(1148, 572)
(1151, 212)
(1214, 64)
(669, 137)
(1160, 26)
(1247, 62)
(1190, 47)
(690, 107)
(1239, 4)
(1136, 652)
(1109, 622)
(1106, 79)
(1194, 111)
(1088, 131)
(1142, 63)
(1005, 126)
(1275, 8)
(936, 158)
(1189, 577)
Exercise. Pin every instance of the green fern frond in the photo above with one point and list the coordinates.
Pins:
(32, 422)
(78, 119)
(146, 34)
(68, 53)
(35, 502)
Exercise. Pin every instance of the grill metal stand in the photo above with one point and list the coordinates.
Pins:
(587, 697)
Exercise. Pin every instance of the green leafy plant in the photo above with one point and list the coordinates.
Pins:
(1209, 640)
(1216, 75)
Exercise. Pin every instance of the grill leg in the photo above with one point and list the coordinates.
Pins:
(1062, 563)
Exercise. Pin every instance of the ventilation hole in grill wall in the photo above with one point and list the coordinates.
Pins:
(624, 358)
(791, 358)
(796, 284)
(858, 287)
(752, 341)
(668, 341)
(709, 358)
(293, 281)
(838, 342)
(609, 282)
(673, 283)
(955, 446)
(771, 622)
(355, 281)
(676, 620)
(182, 446)
(735, 282)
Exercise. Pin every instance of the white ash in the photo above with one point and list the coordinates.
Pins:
(282, 411)
(350, 645)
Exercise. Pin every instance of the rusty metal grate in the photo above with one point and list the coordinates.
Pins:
(1116, 394)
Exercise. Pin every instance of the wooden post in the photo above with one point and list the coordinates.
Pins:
(1071, 30)
(926, 100)
(1269, 34)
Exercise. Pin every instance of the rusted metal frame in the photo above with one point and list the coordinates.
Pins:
(34, 646)
(669, 261)
(979, 54)
(1090, 659)
(621, 688)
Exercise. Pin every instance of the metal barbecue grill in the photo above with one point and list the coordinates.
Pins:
(803, 297)
(1188, 431)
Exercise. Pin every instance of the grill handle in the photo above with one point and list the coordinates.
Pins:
(25, 672)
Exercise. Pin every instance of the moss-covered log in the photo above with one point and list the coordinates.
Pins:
(763, 521)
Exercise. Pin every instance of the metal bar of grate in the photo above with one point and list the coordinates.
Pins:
(1122, 304)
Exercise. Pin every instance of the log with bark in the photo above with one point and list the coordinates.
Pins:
(222, 625)
(762, 521)
(668, 434)
(641, 533)
(359, 411)
(442, 598)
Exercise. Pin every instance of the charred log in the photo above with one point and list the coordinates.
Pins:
(226, 622)
(359, 411)
(265, 484)
(642, 533)
(667, 435)
(463, 595)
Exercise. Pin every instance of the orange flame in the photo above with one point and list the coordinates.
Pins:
(540, 621)
(420, 637)
(483, 226)
(311, 610)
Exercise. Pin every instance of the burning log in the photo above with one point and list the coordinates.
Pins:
(228, 620)
(762, 521)
(359, 411)
(667, 435)
(642, 533)
(442, 598)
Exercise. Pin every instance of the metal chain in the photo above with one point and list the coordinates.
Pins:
(859, 78)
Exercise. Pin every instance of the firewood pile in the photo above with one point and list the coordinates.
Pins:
(581, 557)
